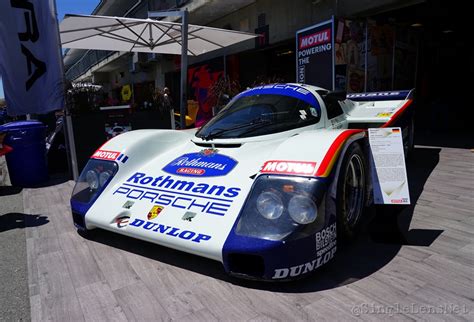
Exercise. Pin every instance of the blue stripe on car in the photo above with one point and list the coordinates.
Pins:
(291, 90)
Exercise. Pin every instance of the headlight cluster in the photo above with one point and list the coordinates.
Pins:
(280, 206)
(93, 179)
(269, 205)
(302, 210)
(97, 179)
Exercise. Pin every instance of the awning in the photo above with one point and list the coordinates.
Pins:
(143, 35)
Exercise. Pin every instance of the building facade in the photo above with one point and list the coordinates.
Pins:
(381, 45)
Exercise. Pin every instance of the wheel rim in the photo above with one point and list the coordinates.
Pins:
(354, 188)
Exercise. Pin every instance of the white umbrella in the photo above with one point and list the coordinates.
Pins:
(149, 36)
(143, 35)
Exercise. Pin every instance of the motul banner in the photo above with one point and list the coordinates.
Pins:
(30, 56)
(315, 55)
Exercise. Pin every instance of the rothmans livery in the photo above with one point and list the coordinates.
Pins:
(268, 187)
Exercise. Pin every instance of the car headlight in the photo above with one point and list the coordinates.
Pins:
(92, 181)
(302, 210)
(282, 207)
(269, 205)
(104, 178)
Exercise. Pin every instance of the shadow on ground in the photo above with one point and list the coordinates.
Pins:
(386, 231)
(448, 139)
(17, 220)
(9, 190)
(53, 180)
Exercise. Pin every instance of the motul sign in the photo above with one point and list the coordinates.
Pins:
(318, 38)
(289, 167)
(315, 55)
(106, 155)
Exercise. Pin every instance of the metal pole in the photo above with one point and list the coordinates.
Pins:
(225, 65)
(418, 41)
(333, 27)
(72, 146)
(184, 60)
(67, 119)
(366, 53)
(393, 57)
(184, 67)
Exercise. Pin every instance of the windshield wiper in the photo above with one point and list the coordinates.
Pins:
(254, 124)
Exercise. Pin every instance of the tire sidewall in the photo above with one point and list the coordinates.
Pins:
(346, 231)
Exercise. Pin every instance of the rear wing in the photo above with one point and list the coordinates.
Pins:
(376, 109)
(381, 96)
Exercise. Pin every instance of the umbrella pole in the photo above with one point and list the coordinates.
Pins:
(70, 144)
(184, 67)
(184, 58)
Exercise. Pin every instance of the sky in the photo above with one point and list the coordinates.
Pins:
(67, 6)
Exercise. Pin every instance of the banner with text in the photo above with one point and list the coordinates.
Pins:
(315, 55)
(30, 57)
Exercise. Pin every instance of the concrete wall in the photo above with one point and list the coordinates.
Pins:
(350, 8)
(283, 17)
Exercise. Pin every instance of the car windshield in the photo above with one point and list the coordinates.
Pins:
(259, 115)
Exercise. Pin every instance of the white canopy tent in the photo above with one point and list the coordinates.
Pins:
(149, 36)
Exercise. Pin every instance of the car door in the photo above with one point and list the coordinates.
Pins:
(335, 114)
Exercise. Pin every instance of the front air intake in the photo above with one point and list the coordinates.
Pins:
(78, 221)
(219, 145)
(247, 265)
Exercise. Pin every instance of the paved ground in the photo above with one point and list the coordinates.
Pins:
(423, 270)
(14, 299)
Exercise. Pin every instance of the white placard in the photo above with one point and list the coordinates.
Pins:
(389, 174)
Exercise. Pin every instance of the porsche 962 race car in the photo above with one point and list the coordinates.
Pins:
(268, 187)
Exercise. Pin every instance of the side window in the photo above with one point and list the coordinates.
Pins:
(333, 108)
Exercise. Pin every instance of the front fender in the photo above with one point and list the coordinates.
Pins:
(320, 147)
(135, 148)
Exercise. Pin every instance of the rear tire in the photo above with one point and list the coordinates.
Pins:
(351, 192)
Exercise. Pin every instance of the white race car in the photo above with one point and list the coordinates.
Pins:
(265, 187)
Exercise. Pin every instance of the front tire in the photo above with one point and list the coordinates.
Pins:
(351, 192)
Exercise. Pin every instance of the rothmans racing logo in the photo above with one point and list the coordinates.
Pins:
(207, 163)
(181, 194)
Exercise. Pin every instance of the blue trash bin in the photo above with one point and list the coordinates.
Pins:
(27, 163)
